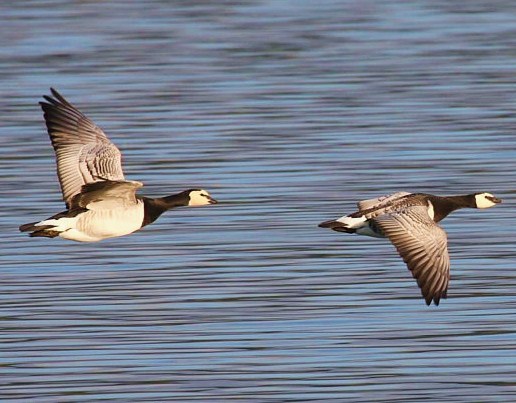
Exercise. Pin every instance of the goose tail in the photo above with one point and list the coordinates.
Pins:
(39, 230)
(29, 227)
(337, 226)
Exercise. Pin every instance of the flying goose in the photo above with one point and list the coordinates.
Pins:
(100, 203)
(410, 220)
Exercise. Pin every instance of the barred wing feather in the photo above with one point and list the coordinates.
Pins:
(423, 246)
(379, 201)
(83, 152)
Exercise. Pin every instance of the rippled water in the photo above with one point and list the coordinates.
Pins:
(288, 112)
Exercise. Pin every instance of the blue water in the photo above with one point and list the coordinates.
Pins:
(288, 112)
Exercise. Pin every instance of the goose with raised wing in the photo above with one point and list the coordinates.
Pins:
(100, 203)
(409, 221)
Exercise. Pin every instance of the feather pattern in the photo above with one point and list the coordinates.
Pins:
(100, 202)
(410, 220)
(107, 195)
(423, 246)
(83, 152)
(379, 201)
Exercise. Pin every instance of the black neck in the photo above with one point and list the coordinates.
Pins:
(445, 205)
(153, 208)
(463, 201)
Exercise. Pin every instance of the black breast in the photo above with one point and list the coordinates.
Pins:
(442, 207)
(152, 209)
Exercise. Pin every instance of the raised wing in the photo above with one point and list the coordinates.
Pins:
(423, 246)
(106, 195)
(379, 201)
(83, 152)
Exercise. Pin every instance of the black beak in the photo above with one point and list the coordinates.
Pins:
(211, 200)
(494, 199)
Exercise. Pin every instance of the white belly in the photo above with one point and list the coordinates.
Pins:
(94, 226)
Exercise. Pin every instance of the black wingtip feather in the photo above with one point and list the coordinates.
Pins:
(49, 99)
(55, 99)
(27, 227)
(436, 299)
(55, 93)
(432, 298)
(59, 97)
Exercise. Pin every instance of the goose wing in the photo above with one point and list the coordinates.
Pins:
(379, 201)
(423, 246)
(106, 195)
(83, 152)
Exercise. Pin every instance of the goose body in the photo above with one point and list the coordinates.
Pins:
(93, 226)
(409, 221)
(100, 202)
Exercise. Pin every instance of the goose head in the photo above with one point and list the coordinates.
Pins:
(199, 197)
(486, 200)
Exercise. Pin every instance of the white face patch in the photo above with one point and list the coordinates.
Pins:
(200, 198)
(482, 200)
(431, 213)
